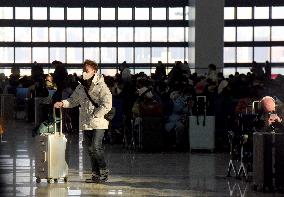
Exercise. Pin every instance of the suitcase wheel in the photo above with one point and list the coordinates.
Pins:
(55, 180)
(65, 179)
(38, 180)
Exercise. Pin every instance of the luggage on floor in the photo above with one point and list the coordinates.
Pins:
(50, 162)
(7, 106)
(42, 108)
(268, 161)
(202, 132)
(149, 133)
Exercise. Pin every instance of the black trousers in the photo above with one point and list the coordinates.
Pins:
(93, 141)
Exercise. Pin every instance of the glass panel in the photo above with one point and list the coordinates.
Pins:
(159, 54)
(74, 55)
(142, 55)
(39, 13)
(228, 71)
(277, 33)
(73, 13)
(243, 70)
(108, 55)
(244, 13)
(262, 33)
(40, 54)
(159, 13)
(186, 34)
(142, 34)
(125, 34)
(277, 71)
(186, 58)
(25, 71)
(229, 13)
(108, 72)
(74, 34)
(40, 34)
(22, 13)
(229, 34)
(75, 70)
(277, 54)
(22, 34)
(57, 34)
(124, 13)
(107, 13)
(146, 71)
(57, 53)
(141, 13)
(108, 34)
(176, 13)
(92, 53)
(229, 54)
(186, 13)
(261, 12)
(244, 54)
(176, 54)
(261, 54)
(6, 55)
(7, 34)
(22, 55)
(191, 34)
(91, 34)
(56, 13)
(125, 54)
(159, 34)
(244, 34)
(6, 13)
(176, 34)
(277, 12)
(91, 13)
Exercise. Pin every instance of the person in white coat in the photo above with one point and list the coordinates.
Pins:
(91, 118)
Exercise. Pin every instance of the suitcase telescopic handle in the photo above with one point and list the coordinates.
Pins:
(60, 121)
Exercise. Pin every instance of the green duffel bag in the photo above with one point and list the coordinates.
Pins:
(46, 127)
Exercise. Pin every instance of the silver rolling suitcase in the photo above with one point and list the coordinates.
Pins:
(50, 160)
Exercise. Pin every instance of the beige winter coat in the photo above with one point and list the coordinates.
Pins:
(91, 117)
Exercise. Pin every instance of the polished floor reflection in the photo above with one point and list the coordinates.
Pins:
(132, 174)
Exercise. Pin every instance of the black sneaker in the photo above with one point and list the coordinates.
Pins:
(94, 179)
(104, 175)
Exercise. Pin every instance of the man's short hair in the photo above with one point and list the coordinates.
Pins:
(93, 64)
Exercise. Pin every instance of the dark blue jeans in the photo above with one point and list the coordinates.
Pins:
(93, 141)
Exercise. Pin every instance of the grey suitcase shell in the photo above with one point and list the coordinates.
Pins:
(50, 160)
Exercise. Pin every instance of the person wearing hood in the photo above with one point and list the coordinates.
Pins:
(92, 116)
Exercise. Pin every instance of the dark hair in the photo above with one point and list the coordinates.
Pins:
(93, 64)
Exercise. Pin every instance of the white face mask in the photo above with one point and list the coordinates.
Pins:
(87, 76)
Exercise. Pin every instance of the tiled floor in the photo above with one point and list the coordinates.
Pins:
(132, 174)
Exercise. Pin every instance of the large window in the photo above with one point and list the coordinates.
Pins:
(253, 33)
(140, 34)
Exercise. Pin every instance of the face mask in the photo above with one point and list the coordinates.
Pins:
(87, 76)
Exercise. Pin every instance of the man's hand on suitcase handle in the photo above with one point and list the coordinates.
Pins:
(58, 104)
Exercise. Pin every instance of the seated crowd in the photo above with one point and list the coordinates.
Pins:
(170, 96)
